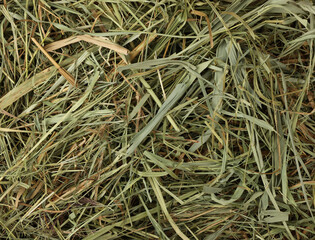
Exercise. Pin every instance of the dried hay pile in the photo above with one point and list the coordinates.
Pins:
(138, 119)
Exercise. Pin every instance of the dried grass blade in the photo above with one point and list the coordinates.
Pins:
(61, 43)
(63, 72)
(104, 43)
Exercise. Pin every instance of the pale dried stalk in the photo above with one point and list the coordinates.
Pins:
(63, 72)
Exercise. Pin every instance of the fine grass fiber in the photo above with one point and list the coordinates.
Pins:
(165, 119)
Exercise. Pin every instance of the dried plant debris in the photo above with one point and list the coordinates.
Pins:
(173, 119)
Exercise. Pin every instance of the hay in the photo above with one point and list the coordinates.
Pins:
(157, 119)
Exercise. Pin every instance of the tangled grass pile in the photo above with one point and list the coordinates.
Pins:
(166, 119)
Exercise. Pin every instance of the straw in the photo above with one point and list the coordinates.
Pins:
(157, 119)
